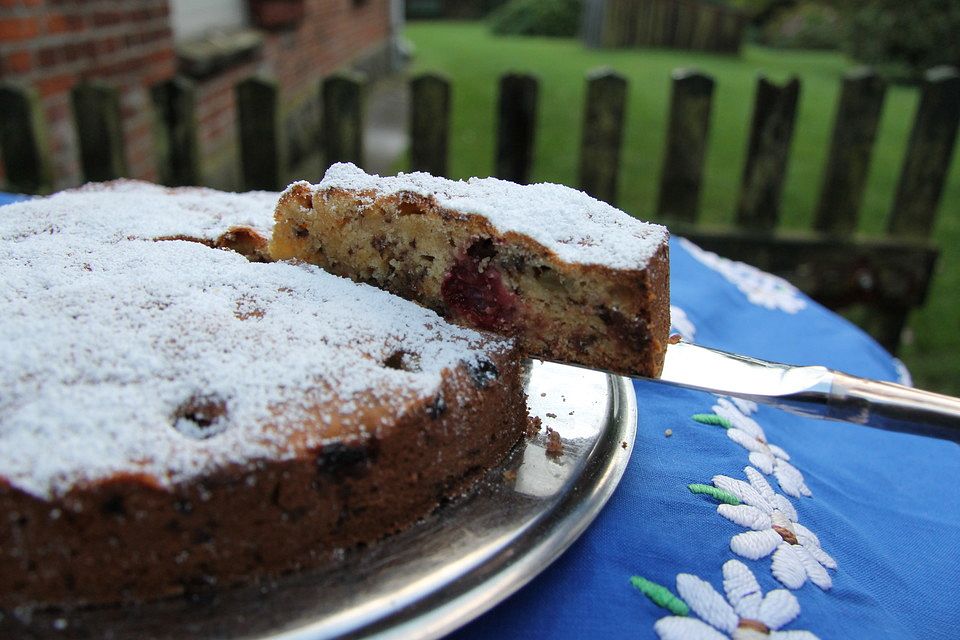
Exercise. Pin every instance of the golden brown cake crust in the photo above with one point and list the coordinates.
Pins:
(128, 539)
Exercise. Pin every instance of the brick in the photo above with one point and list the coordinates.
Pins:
(160, 56)
(50, 56)
(12, 29)
(55, 23)
(158, 75)
(18, 62)
(118, 68)
(155, 35)
(79, 50)
(56, 84)
(107, 18)
(106, 46)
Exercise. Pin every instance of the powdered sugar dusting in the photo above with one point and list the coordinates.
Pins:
(126, 209)
(570, 223)
(121, 354)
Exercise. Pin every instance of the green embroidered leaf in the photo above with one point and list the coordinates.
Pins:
(717, 494)
(661, 596)
(712, 418)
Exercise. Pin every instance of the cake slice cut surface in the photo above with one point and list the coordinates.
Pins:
(571, 278)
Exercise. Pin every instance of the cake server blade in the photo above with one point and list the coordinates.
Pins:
(814, 391)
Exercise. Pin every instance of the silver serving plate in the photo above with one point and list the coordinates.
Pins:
(434, 577)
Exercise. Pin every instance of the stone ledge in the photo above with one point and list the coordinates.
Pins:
(215, 52)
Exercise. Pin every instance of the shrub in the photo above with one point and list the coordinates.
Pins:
(904, 38)
(809, 25)
(558, 18)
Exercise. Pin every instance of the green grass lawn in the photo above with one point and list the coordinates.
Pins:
(474, 60)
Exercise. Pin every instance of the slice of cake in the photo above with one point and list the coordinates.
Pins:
(572, 278)
(174, 416)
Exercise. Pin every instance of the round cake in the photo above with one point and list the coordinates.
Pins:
(175, 415)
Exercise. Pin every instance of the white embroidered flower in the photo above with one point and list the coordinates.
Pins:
(680, 323)
(772, 520)
(768, 458)
(761, 288)
(746, 407)
(745, 614)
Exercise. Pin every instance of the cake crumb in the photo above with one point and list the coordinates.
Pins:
(510, 475)
(674, 338)
(533, 425)
(623, 445)
(570, 414)
(551, 415)
(668, 432)
(554, 444)
(543, 394)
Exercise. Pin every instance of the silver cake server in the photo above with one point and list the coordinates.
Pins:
(814, 391)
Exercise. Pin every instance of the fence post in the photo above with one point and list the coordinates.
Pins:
(178, 159)
(686, 24)
(774, 115)
(592, 22)
(687, 135)
(645, 28)
(429, 123)
(659, 24)
(602, 133)
(928, 154)
(343, 118)
(22, 143)
(258, 119)
(854, 131)
(616, 27)
(96, 111)
(516, 127)
(703, 24)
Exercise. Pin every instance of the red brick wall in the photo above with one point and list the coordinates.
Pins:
(331, 34)
(53, 44)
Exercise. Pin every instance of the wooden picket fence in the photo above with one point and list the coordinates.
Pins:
(885, 276)
(695, 25)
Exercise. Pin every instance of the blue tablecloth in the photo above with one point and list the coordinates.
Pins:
(748, 517)
(8, 198)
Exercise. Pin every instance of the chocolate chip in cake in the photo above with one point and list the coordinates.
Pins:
(632, 331)
(201, 417)
(403, 361)
(482, 372)
(482, 248)
(341, 459)
(379, 243)
(514, 263)
(437, 408)
(114, 506)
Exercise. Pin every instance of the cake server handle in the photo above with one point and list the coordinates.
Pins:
(814, 391)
